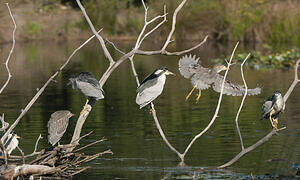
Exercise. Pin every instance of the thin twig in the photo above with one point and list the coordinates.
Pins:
(22, 154)
(4, 152)
(113, 45)
(4, 124)
(11, 50)
(101, 140)
(242, 103)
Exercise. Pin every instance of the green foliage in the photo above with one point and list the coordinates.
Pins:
(284, 59)
(32, 28)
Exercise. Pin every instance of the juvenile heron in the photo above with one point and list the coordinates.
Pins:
(272, 107)
(89, 86)
(10, 143)
(203, 78)
(57, 125)
(152, 86)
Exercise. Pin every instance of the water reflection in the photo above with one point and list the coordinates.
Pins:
(139, 151)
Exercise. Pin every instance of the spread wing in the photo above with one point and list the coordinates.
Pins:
(232, 88)
(191, 69)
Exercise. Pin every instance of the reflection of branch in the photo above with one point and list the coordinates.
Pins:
(218, 106)
(242, 103)
(37, 95)
(102, 42)
(250, 148)
(268, 136)
(11, 50)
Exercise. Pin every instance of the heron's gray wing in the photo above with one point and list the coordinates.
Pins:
(266, 107)
(148, 93)
(146, 84)
(188, 65)
(232, 88)
(91, 90)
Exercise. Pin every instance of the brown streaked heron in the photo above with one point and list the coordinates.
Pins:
(89, 86)
(272, 107)
(57, 125)
(204, 78)
(152, 86)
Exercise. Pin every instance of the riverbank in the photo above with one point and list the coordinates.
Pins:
(263, 21)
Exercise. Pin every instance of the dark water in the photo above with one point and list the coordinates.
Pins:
(139, 152)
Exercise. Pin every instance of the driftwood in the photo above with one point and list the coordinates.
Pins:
(52, 162)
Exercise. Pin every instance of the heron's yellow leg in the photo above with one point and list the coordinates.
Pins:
(275, 124)
(190, 93)
(276, 120)
(272, 123)
(84, 107)
(198, 96)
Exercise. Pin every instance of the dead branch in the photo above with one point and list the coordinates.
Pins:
(114, 46)
(268, 136)
(242, 103)
(26, 170)
(11, 50)
(102, 42)
(250, 148)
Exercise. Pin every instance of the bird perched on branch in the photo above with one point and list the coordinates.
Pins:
(203, 78)
(152, 86)
(89, 86)
(10, 143)
(272, 107)
(57, 125)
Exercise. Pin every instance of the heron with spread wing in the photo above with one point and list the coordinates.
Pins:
(204, 78)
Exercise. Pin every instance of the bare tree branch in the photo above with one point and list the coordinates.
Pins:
(11, 50)
(113, 45)
(296, 80)
(165, 52)
(242, 103)
(173, 24)
(106, 52)
(250, 148)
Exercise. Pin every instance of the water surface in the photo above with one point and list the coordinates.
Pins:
(139, 152)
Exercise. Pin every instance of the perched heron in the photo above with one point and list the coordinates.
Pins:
(10, 143)
(272, 107)
(57, 125)
(152, 86)
(203, 78)
(89, 86)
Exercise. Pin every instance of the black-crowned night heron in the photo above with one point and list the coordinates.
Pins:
(89, 86)
(152, 86)
(57, 125)
(272, 107)
(203, 78)
(10, 143)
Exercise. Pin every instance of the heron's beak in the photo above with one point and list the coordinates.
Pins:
(169, 73)
(18, 137)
